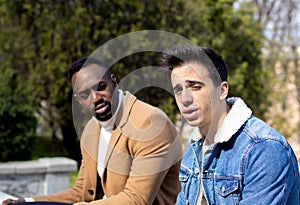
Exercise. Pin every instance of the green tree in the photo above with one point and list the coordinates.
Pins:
(50, 35)
(42, 38)
(17, 122)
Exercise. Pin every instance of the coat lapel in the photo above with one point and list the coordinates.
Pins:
(90, 142)
(120, 121)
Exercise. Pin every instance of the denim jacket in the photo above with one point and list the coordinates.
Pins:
(250, 163)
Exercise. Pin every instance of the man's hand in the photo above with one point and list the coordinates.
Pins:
(11, 201)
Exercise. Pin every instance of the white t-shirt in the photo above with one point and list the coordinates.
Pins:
(105, 135)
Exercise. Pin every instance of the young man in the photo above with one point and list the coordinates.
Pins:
(131, 151)
(232, 157)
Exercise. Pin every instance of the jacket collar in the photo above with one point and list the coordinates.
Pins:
(126, 106)
(236, 117)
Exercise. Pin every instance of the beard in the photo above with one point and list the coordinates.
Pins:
(104, 115)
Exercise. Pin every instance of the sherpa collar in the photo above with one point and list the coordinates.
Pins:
(236, 117)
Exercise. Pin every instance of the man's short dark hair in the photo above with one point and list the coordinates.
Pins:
(208, 57)
(81, 63)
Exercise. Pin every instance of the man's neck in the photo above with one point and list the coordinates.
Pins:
(216, 122)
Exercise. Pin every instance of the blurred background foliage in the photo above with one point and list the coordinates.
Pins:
(41, 38)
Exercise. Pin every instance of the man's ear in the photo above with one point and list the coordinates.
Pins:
(114, 80)
(224, 90)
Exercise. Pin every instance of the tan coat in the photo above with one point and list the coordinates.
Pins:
(142, 161)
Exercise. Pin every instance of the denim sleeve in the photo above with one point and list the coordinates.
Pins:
(269, 174)
(180, 199)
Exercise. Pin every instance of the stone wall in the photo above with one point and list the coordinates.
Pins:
(36, 177)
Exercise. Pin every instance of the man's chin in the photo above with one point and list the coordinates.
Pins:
(193, 123)
(103, 118)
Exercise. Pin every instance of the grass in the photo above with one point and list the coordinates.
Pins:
(73, 177)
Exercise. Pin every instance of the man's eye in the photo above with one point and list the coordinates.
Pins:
(196, 87)
(178, 91)
(101, 87)
(84, 94)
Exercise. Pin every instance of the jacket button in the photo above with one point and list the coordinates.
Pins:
(223, 189)
(91, 192)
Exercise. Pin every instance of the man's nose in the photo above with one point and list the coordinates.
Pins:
(186, 97)
(96, 96)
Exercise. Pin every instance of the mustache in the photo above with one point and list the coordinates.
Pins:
(100, 101)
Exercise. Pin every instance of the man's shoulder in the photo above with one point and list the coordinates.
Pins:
(145, 119)
(259, 130)
(146, 112)
(143, 109)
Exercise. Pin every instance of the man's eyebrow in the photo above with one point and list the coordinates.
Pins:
(93, 86)
(194, 82)
(177, 86)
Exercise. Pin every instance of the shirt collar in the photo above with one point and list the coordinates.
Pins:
(236, 117)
